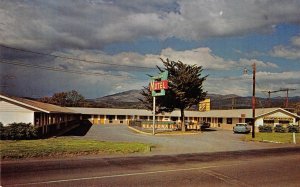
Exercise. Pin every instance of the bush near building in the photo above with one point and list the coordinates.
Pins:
(18, 131)
(279, 128)
(265, 128)
(293, 128)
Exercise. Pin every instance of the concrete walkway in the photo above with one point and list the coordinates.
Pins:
(207, 141)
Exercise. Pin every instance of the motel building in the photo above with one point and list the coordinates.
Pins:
(41, 115)
(224, 119)
(14, 109)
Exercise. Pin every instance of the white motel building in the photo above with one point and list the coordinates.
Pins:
(14, 109)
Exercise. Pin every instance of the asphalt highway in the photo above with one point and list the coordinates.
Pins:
(264, 167)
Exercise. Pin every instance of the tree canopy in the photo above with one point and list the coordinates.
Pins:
(185, 88)
(69, 99)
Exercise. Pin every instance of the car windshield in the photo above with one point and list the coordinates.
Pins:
(241, 124)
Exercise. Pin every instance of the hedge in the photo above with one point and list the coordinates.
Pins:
(265, 128)
(18, 131)
(293, 128)
(280, 128)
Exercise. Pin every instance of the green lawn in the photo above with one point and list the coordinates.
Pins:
(66, 147)
(274, 137)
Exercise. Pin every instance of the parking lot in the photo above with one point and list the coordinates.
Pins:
(212, 140)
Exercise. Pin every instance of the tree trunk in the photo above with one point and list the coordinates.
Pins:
(182, 120)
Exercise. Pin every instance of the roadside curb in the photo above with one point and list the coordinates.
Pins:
(138, 131)
(147, 133)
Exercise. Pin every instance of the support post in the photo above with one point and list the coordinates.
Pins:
(287, 99)
(294, 138)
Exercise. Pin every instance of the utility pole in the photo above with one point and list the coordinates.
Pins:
(253, 101)
(287, 96)
(269, 99)
(253, 97)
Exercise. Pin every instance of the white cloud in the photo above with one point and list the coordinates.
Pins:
(286, 52)
(296, 41)
(199, 56)
(258, 63)
(289, 52)
(136, 78)
(126, 61)
(265, 81)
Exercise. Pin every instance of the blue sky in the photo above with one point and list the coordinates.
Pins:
(222, 36)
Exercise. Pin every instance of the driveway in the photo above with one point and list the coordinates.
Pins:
(207, 141)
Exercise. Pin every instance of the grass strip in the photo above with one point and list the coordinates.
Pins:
(273, 137)
(56, 147)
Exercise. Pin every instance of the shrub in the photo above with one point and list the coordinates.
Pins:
(18, 131)
(2, 128)
(279, 128)
(293, 128)
(135, 123)
(265, 128)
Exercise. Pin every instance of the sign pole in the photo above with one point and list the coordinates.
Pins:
(153, 123)
(157, 86)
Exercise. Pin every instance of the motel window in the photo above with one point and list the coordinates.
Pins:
(174, 118)
(229, 120)
(220, 120)
(121, 117)
(248, 120)
(268, 122)
(144, 117)
(110, 118)
(284, 122)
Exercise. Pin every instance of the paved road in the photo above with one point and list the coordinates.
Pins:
(272, 167)
(207, 141)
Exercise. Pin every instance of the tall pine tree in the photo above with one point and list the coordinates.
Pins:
(185, 88)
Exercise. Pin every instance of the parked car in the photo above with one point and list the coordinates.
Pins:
(242, 128)
(204, 125)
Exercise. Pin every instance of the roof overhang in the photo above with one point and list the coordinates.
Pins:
(23, 104)
(278, 110)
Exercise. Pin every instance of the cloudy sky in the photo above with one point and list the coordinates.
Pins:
(120, 42)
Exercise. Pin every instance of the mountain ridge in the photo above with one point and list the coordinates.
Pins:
(130, 99)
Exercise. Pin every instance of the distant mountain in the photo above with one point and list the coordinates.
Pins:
(130, 99)
(127, 99)
(127, 96)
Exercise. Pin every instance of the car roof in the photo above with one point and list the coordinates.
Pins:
(241, 124)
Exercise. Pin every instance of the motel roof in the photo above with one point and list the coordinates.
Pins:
(235, 113)
(35, 105)
(129, 112)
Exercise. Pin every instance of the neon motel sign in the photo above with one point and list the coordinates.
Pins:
(159, 84)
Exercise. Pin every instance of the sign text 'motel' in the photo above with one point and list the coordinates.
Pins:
(159, 84)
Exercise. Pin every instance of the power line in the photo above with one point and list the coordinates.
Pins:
(72, 58)
(58, 69)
